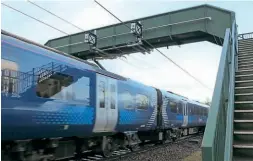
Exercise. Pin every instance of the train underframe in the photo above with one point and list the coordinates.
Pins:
(48, 149)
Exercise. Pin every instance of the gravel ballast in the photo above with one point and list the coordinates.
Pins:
(172, 152)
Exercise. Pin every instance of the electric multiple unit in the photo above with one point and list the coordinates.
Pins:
(52, 102)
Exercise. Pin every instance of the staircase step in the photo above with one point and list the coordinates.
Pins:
(244, 150)
(248, 59)
(244, 83)
(243, 77)
(244, 146)
(241, 158)
(243, 132)
(244, 58)
(244, 121)
(243, 63)
(245, 48)
(244, 97)
(244, 72)
(243, 137)
(245, 40)
(246, 89)
(245, 52)
(243, 106)
(243, 115)
(241, 111)
(243, 125)
(245, 66)
(245, 45)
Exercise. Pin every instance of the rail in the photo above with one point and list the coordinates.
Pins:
(218, 137)
(248, 35)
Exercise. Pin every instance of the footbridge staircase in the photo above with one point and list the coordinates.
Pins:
(229, 131)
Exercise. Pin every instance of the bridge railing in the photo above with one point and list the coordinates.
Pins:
(218, 137)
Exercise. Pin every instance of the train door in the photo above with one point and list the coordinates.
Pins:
(106, 107)
(185, 114)
(112, 110)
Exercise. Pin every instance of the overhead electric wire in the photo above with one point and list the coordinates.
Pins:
(34, 18)
(46, 10)
(155, 47)
(54, 15)
(83, 30)
(52, 26)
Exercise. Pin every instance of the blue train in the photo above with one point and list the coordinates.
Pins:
(55, 106)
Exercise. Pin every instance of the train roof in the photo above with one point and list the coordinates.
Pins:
(37, 48)
(180, 97)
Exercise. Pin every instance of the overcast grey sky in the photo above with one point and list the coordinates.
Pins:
(200, 59)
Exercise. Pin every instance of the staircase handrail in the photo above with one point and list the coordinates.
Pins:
(228, 153)
(215, 141)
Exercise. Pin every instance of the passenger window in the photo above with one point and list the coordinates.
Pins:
(180, 108)
(173, 106)
(81, 90)
(78, 91)
(142, 102)
(206, 112)
(127, 100)
(102, 94)
(113, 92)
(189, 109)
(198, 110)
(193, 110)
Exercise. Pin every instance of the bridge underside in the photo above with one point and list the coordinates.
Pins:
(200, 23)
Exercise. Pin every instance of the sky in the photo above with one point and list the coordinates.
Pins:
(200, 59)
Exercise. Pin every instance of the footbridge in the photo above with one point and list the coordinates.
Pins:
(229, 130)
(200, 23)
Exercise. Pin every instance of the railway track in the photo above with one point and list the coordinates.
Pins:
(120, 154)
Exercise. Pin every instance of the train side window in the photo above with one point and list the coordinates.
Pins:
(203, 111)
(206, 112)
(195, 110)
(127, 100)
(173, 106)
(192, 107)
(199, 109)
(189, 109)
(142, 102)
(113, 91)
(180, 108)
(55, 85)
(102, 94)
(81, 90)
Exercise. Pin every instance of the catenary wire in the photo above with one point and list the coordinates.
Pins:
(50, 12)
(34, 18)
(155, 47)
